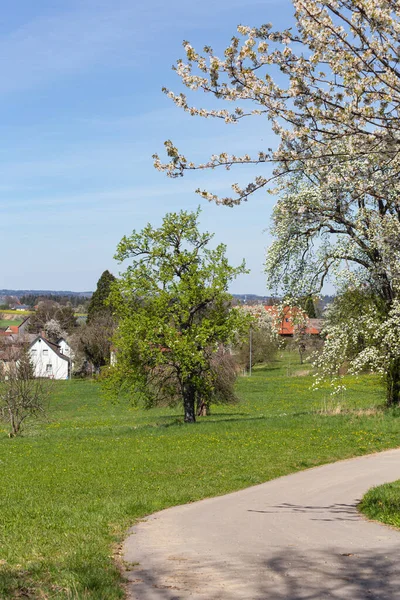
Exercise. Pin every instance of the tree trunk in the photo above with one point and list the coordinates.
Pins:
(189, 397)
(393, 384)
(203, 409)
(14, 424)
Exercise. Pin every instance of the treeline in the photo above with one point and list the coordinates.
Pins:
(67, 300)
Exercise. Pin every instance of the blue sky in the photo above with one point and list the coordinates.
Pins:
(81, 114)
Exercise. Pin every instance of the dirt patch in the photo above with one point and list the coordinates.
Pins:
(302, 373)
(10, 317)
(359, 412)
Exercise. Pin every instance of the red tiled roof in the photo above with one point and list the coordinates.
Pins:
(285, 325)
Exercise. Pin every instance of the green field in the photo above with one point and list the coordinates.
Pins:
(383, 504)
(14, 318)
(7, 323)
(70, 488)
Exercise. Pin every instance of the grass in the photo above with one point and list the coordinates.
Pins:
(8, 323)
(382, 503)
(70, 488)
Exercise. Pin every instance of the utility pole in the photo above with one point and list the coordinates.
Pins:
(250, 347)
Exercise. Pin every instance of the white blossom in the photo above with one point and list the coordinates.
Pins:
(339, 82)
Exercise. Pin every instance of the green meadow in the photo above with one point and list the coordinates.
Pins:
(72, 486)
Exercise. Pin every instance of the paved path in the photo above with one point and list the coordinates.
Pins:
(294, 538)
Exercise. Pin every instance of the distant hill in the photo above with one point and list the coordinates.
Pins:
(19, 293)
(254, 299)
(240, 298)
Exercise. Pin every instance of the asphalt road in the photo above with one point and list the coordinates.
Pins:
(294, 538)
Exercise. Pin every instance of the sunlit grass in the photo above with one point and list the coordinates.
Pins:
(382, 503)
(70, 487)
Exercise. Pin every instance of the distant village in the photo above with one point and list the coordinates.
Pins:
(50, 354)
(49, 359)
(48, 343)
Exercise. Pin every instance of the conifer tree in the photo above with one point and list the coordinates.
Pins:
(98, 303)
(309, 307)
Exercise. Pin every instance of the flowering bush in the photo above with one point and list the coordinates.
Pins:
(366, 339)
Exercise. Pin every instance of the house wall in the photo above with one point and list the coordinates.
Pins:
(65, 348)
(46, 362)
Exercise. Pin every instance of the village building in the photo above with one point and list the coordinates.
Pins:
(50, 360)
(285, 321)
(21, 307)
(19, 330)
(65, 348)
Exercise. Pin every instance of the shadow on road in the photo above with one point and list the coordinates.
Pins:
(336, 512)
(289, 575)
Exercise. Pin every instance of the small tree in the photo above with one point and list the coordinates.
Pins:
(93, 340)
(223, 371)
(174, 313)
(301, 337)
(22, 396)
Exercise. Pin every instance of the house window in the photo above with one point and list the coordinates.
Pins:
(45, 352)
(49, 368)
(33, 351)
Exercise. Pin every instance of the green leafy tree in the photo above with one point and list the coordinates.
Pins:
(98, 304)
(174, 314)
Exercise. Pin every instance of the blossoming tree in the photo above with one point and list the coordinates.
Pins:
(330, 88)
(338, 81)
(362, 333)
(321, 232)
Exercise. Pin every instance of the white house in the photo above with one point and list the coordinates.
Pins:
(48, 360)
(21, 307)
(65, 348)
